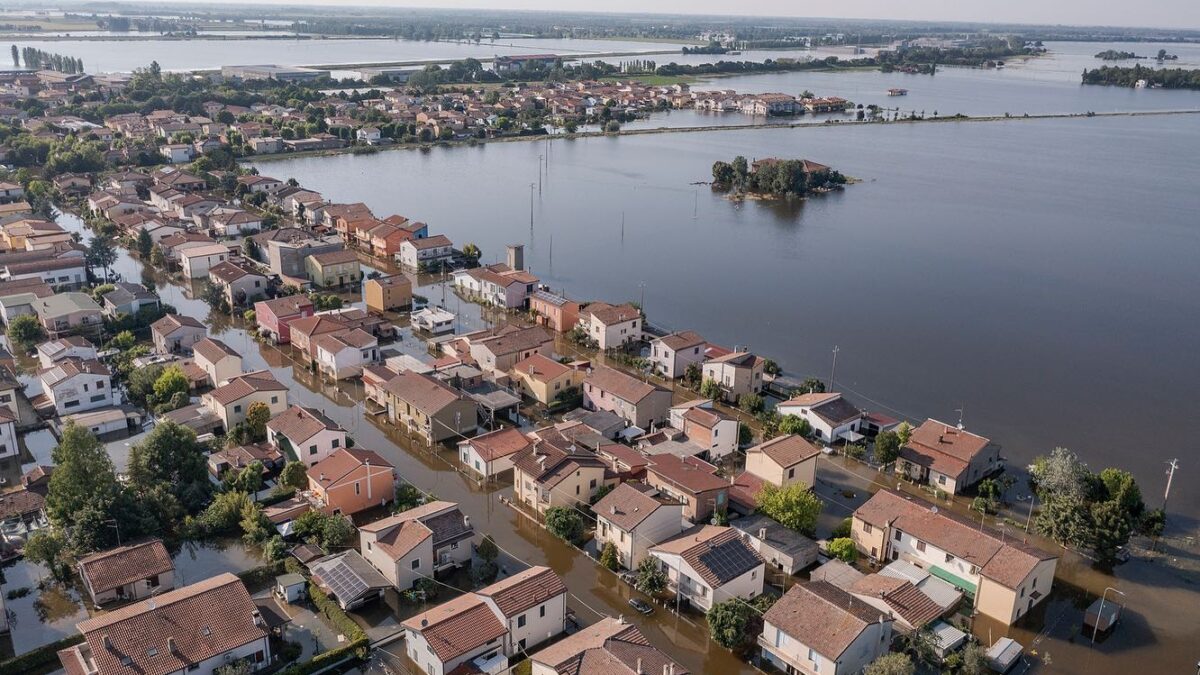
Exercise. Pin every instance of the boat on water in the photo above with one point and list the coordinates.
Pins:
(897, 91)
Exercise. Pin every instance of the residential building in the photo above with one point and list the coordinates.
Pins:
(274, 317)
(819, 628)
(218, 360)
(640, 403)
(129, 299)
(431, 408)
(387, 294)
(544, 379)
(611, 326)
(433, 320)
(1004, 577)
(784, 460)
(240, 282)
(8, 434)
(198, 260)
(610, 646)
(481, 630)
(237, 457)
(230, 401)
(554, 311)
(130, 572)
(707, 565)
(65, 312)
(305, 434)
(343, 354)
(175, 333)
(196, 629)
(348, 578)
(948, 457)
(333, 269)
(351, 480)
(418, 543)
(831, 417)
(737, 373)
(75, 385)
(426, 252)
(780, 547)
(670, 355)
(633, 518)
(497, 350)
(65, 273)
(70, 347)
(706, 427)
(691, 481)
(491, 454)
(497, 285)
(554, 471)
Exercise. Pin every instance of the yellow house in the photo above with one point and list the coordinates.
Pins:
(384, 294)
(333, 269)
(544, 379)
(784, 460)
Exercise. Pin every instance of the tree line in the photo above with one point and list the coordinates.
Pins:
(1121, 76)
(782, 177)
(43, 60)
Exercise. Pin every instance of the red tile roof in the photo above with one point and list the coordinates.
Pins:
(123, 565)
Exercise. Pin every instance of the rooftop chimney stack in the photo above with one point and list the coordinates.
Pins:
(516, 256)
(639, 666)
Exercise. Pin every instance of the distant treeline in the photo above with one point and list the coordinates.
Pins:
(41, 60)
(710, 48)
(1114, 55)
(1167, 78)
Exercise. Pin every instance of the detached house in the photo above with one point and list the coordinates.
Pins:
(544, 379)
(554, 471)
(832, 417)
(417, 543)
(691, 481)
(707, 565)
(343, 354)
(275, 316)
(230, 401)
(431, 408)
(75, 385)
(218, 361)
(129, 572)
(637, 402)
(386, 294)
(239, 281)
(426, 252)
(492, 453)
(948, 457)
(737, 373)
(554, 311)
(611, 325)
(610, 645)
(706, 427)
(784, 460)
(198, 629)
(305, 434)
(333, 269)
(351, 480)
(819, 628)
(634, 517)
(498, 350)
(71, 347)
(175, 333)
(1004, 578)
(672, 354)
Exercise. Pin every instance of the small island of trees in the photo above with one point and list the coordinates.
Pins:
(1114, 55)
(775, 177)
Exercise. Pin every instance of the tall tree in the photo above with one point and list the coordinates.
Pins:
(794, 506)
(83, 488)
(16, 56)
(170, 455)
(101, 253)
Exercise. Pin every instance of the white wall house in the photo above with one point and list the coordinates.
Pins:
(305, 433)
(198, 260)
(611, 325)
(633, 517)
(819, 628)
(832, 417)
(75, 385)
(670, 355)
(708, 564)
(418, 543)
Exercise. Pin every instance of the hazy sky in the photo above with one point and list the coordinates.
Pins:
(1160, 13)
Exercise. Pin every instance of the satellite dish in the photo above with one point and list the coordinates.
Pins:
(933, 508)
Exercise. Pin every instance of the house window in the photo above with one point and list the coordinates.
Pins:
(949, 557)
(592, 484)
(97, 398)
(792, 472)
(274, 400)
(152, 581)
(975, 570)
(867, 528)
(521, 621)
(237, 408)
(416, 563)
(899, 535)
(357, 488)
(337, 442)
(312, 449)
(920, 546)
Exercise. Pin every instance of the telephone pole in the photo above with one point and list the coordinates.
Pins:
(531, 207)
(833, 370)
(1173, 464)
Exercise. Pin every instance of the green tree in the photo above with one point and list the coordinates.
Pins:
(793, 424)
(843, 529)
(564, 523)
(711, 389)
(48, 547)
(140, 384)
(83, 488)
(973, 660)
(843, 549)
(728, 621)
(608, 556)
(922, 645)
(101, 253)
(751, 403)
(294, 475)
(650, 580)
(170, 455)
(123, 341)
(248, 479)
(904, 432)
(892, 663)
(1110, 530)
(257, 416)
(887, 447)
(25, 331)
(407, 497)
(170, 382)
(145, 245)
(256, 527)
(472, 252)
(225, 512)
(487, 549)
(722, 173)
(793, 506)
(1120, 487)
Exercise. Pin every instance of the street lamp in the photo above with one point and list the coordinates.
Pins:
(1100, 616)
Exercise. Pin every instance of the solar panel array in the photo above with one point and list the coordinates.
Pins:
(729, 560)
(344, 583)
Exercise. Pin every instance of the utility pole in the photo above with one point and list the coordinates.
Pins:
(1173, 464)
(833, 370)
(531, 207)
(642, 302)
(540, 158)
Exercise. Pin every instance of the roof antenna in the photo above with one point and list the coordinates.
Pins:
(960, 416)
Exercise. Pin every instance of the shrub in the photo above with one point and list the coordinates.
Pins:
(608, 556)
(843, 549)
(564, 523)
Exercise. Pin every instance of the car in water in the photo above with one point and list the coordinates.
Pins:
(640, 605)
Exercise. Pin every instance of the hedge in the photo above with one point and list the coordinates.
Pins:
(38, 659)
(355, 649)
(334, 613)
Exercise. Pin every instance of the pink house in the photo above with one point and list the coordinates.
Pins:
(275, 316)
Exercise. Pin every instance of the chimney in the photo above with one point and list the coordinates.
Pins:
(762, 533)
(107, 642)
(516, 256)
(620, 620)
(639, 666)
(466, 521)
(613, 509)
(171, 646)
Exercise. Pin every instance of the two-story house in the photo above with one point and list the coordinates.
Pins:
(637, 402)
(633, 518)
(671, 354)
(425, 253)
(418, 543)
(948, 457)
(706, 427)
(784, 460)
(343, 354)
(691, 481)
(611, 326)
(819, 628)
(75, 385)
(429, 407)
(709, 564)
(305, 434)
(351, 480)
(491, 454)
(736, 373)
(554, 471)
(831, 417)
(218, 360)
(230, 401)
(543, 379)
(176, 333)
(274, 316)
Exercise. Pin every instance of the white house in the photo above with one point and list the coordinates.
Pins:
(198, 260)
(177, 153)
(230, 401)
(427, 251)
(343, 354)
(706, 427)
(634, 517)
(611, 325)
(417, 543)
(72, 347)
(819, 628)
(75, 385)
(305, 434)
(670, 355)
(8, 434)
(490, 454)
(709, 564)
(218, 360)
(488, 626)
(832, 417)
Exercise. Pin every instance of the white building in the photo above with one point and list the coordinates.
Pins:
(708, 564)
(490, 454)
(819, 628)
(218, 360)
(611, 325)
(415, 253)
(75, 385)
(343, 354)
(418, 543)
(197, 261)
(670, 355)
(73, 347)
(306, 434)
(634, 517)
(832, 417)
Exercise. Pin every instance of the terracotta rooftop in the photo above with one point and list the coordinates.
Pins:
(788, 450)
(123, 565)
(427, 394)
(623, 386)
(499, 444)
(244, 385)
(457, 626)
(524, 590)
(342, 463)
(213, 350)
(298, 423)
(690, 474)
(822, 616)
(627, 505)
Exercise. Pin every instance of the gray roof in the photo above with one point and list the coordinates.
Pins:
(348, 576)
(942, 592)
(780, 538)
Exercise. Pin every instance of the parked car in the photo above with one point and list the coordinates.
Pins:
(640, 605)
